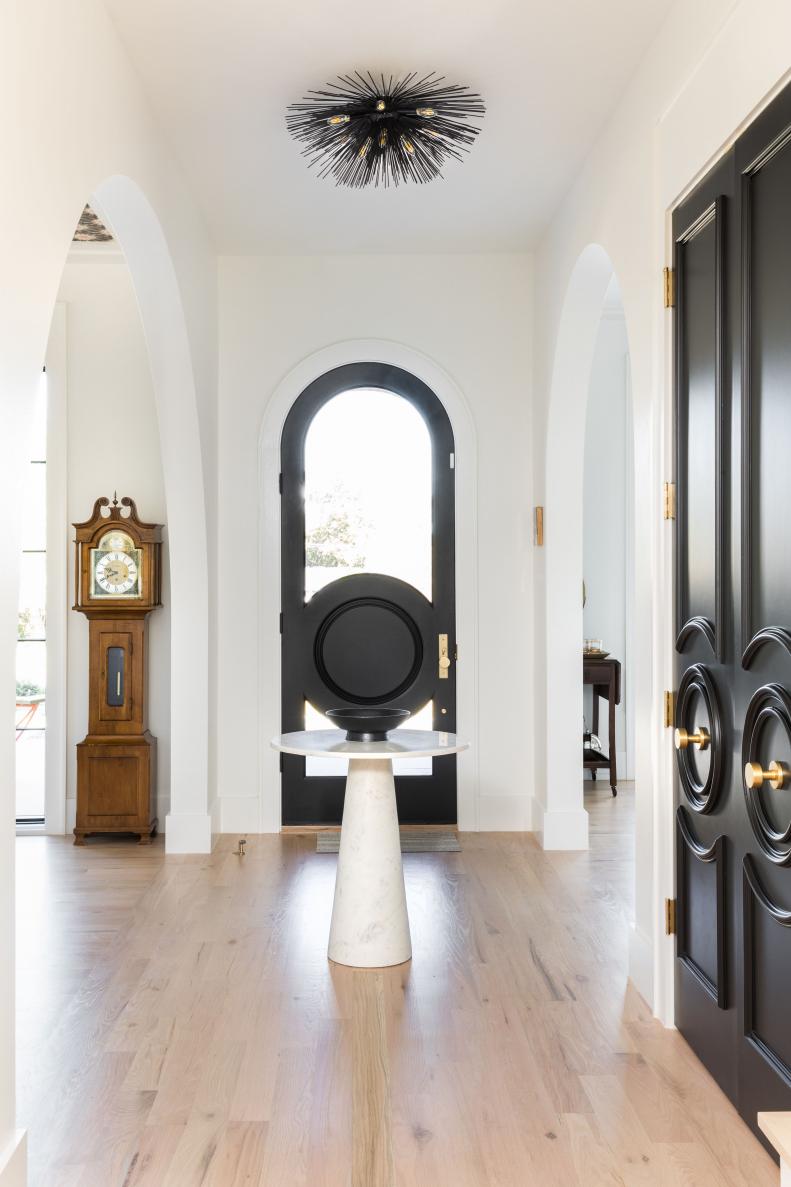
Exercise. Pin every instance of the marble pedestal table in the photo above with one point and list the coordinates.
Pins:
(370, 925)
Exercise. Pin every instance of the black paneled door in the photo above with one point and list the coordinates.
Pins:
(733, 601)
(368, 578)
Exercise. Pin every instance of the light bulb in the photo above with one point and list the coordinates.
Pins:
(383, 138)
(426, 112)
(364, 148)
(408, 145)
(338, 119)
(380, 105)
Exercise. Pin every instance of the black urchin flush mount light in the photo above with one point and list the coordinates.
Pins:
(361, 130)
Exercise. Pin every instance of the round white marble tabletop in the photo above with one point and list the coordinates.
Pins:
(415, 743)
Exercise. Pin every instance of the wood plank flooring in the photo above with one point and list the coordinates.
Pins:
(180, 1025)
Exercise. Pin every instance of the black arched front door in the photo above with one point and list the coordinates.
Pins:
(368, 596)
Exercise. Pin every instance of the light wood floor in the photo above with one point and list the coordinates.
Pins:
(180, 1025)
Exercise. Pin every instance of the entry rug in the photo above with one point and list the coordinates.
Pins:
(419, 840)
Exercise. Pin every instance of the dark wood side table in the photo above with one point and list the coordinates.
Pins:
(605, 676)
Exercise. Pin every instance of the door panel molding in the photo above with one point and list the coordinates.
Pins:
(754, 635)
(755, 894)
(691, 621)
(689, 848)
(771, 703)
(701, 794)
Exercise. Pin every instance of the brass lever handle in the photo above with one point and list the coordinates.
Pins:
(702, 738)
(444, 658)
(775, 776)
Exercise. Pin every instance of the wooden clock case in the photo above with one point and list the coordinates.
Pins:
(116, 761)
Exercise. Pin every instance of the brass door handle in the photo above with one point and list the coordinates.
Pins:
(702, 738)
(775, 776)
(444, 658)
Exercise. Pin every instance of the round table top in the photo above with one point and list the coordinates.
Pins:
(416, 743)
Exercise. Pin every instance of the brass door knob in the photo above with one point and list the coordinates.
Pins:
(756, 776)
(444, 662)
(702, 738)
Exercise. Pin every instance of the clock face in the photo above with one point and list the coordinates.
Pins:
(116, 573)
(115, 568)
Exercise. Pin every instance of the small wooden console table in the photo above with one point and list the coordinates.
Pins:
(605, 676)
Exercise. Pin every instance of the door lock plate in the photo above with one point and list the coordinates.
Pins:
(444, 658)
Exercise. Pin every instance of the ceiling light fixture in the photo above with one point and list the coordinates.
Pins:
(361, 131)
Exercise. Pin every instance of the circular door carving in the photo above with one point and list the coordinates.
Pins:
(770, 705)
(697, 686)
(368, 642)
(385, 667)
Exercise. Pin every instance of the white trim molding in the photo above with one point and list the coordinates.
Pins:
(565, 829)
(57, 574)
(13, 1160)
(452, 399)
(188, 832)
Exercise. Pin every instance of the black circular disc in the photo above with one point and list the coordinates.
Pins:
(368, 650)
(368, 642)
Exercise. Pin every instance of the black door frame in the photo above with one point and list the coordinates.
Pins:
(413, 793)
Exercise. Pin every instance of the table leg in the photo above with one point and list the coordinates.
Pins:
(370, 926)
(613, 759)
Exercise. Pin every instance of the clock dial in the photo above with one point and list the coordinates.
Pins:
(116, 573)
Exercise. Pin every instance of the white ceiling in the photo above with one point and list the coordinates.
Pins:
(220, 74)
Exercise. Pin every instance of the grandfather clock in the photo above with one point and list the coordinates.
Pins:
(118, 580)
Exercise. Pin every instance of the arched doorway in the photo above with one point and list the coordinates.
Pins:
(368, 576)
(565, 821)
(125, 208)
(564, 818)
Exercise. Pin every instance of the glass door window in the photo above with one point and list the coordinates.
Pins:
(361, 516)
(367, 491)
(31, 648)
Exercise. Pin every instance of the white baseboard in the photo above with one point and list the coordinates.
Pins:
(503, 814)
(565, 830)
(215, 811)
(13, 1160)
(240, 814)
(641, 964)
(188, 832)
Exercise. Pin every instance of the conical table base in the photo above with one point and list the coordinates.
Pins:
(370, 925)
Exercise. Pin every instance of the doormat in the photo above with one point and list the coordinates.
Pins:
(419, 840)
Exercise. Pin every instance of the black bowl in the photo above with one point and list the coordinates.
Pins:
(367, 725)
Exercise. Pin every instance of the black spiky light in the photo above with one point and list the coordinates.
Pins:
(363, 131)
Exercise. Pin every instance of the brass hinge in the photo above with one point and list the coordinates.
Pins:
(669, 500)
(538, 532)
(669, 283)
(670, 709)
(670, 916)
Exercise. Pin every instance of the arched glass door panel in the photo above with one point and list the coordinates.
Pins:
(368, 487)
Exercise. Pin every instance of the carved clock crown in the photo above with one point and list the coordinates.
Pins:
(115, 535)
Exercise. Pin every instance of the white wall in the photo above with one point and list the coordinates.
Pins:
(57, 64)
(112, 444)
(713, 64)
(608, 497)
(471, 316)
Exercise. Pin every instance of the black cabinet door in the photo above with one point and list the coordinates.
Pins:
(367, 637)
(733, 569)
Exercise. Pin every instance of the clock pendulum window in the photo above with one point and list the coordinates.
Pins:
(118, 584)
